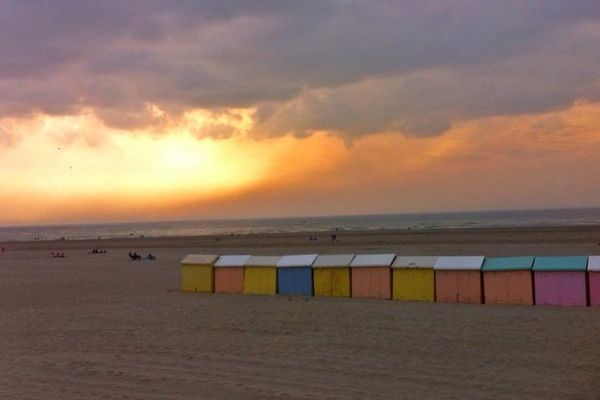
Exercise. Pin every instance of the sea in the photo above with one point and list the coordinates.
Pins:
(420, 221)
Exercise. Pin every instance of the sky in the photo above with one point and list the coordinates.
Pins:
(162, 110)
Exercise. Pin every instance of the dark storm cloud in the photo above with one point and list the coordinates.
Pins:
(353, 67)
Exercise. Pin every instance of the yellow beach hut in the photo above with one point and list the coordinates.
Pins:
(197, 273)
(331, 274)
(413, 278)
(260, 275)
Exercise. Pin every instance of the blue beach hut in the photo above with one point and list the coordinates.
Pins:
(294, 274)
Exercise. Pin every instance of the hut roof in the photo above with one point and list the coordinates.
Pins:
(423, 262)
(372, 260)
(458, 263)
(574, 263)
(299, 260)
(333, 260)
(199, 259)
(508, 264)
(593, 263)
(232, 261)
(262, 261)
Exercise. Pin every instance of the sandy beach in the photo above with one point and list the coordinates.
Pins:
(98, 326)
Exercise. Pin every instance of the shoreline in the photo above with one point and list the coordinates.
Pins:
(556, 240)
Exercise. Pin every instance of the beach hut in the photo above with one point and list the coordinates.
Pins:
(294, 274)
(331, 275)
(458, 279)
(197, 273)
(260, 275)
(412, 278)
(371, 276)
(560, 280)
(229, 274)
(594, 280)
(508, 280)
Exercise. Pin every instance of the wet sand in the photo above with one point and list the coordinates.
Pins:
(98, 326)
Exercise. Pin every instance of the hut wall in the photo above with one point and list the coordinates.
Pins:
(295, 280)
(229, 280)
(197, 278)
(371, 282)
(594, 284)
(260, 280)
(413, 284)
(567, 288)
(508, 287)
(458, 286)
(333, 282)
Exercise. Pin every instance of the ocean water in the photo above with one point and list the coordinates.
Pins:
(483, 219)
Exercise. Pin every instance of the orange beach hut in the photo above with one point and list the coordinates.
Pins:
(508, 280)
(413, 279)
(331, 274)
(458, 279)
(229, 274)
(197, 273)
(260, 275)
(371, 275)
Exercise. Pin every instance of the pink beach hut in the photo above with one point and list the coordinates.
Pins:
(560, 281)
(371, 275)
(229, 274)
(594, 280)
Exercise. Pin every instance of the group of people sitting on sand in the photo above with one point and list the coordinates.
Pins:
(314, 238)
(137, 257)
(97, 251)
(57, 254)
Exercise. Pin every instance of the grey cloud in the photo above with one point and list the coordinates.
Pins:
(215, 130)
(353, 67)
(427, 103)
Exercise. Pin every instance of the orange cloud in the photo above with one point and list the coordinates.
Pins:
(69, 169)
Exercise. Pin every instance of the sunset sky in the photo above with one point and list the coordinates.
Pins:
(158, 110)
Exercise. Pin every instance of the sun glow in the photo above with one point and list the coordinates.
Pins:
(183, 163)
(73, 159)
(75, 168)
(185, 159)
